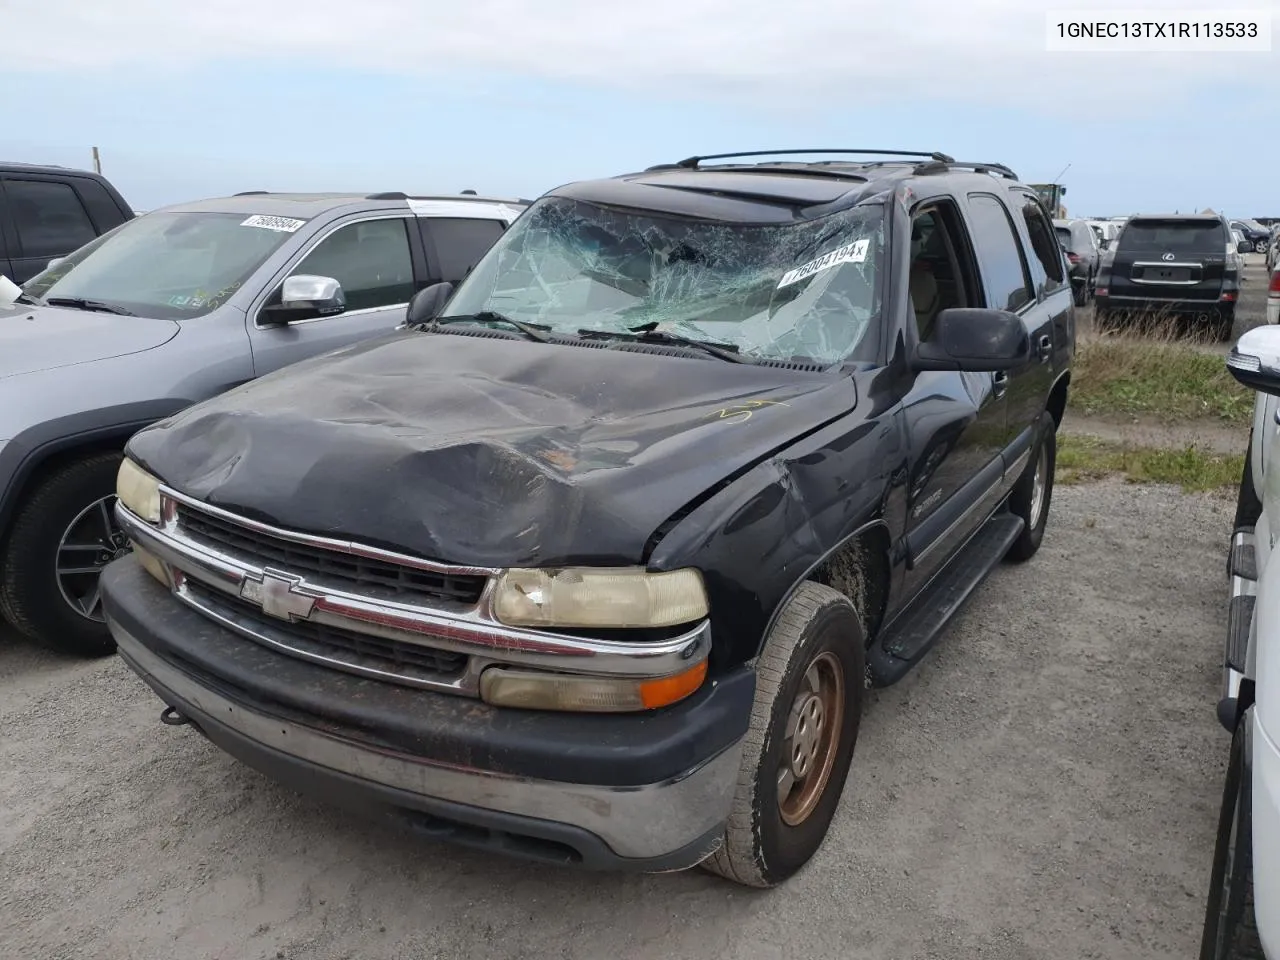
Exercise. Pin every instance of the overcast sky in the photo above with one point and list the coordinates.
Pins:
(199, 99)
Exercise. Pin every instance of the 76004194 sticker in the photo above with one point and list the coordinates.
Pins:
(855, 252)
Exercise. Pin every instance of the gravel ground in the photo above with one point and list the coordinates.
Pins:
(1044, 786)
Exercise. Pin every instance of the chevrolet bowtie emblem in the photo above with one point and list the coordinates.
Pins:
(278, 595)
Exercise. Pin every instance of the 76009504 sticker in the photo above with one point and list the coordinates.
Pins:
(283, 224)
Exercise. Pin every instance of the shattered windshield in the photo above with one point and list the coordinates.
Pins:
(172, 266)
(799, 291)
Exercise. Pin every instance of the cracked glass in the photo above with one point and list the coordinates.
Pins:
(808, 291)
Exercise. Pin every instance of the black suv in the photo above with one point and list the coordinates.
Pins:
(47, 212)
(593, 559)
(1171, 266)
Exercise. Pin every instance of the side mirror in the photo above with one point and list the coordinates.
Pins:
(1255, 359)
(1244, 246)
(428, 302)
(304, 297)
(975, 339)
(54, 262)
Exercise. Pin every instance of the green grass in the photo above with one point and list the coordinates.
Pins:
(1194, 469)
(1157, 377)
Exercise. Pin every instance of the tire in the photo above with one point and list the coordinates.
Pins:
(1032, 494)
(1104, 321)
(1079, 295)
(33, 597)
(1230, 926)
(818, 629)
(1223, 325)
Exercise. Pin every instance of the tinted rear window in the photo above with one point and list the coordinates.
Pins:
(1173, 236)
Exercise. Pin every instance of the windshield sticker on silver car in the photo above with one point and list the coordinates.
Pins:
(283, 224)
(855, 252)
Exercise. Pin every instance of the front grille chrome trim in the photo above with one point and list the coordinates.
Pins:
(469, 630)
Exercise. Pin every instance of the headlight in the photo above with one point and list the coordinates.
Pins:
(535, 690)
(599, 597)
(138, 490)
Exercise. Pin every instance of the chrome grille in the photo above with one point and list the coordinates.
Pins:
(334, 645)
(371, 576)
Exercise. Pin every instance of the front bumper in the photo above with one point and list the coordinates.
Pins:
(1265, 780)
(641, 791)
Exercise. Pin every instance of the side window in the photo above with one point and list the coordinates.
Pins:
(48, 216)
(1000, 253)
(102, 208)
(1044, 242)
(461, 243)
(370, 259)
(938, 279)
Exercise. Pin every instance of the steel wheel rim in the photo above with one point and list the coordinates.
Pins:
(1039, 487)
(89, 543)
(812, 739)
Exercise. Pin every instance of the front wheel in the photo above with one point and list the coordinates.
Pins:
(61, 539)
(797, 751)
(1230, 927)
(1033, 492)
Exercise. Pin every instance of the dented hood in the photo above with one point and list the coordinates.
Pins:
(490, 452)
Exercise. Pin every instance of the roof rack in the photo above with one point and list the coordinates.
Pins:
(691, 163)
(946, 166)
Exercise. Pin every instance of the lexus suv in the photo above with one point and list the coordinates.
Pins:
(592, 559)
(1171, 266)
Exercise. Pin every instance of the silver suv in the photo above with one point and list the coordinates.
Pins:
(169, 309)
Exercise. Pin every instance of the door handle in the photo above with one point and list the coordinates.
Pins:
(999, 383)
(1046, 345)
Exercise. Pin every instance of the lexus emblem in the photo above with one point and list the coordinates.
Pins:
(1167, 256)
(278, 595)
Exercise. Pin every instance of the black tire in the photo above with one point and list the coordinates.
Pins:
(1080, 294)
(1105, 321)
(1032, 494)
(1230, 927)
(1223, 325)
(760, 849)
(31, 597)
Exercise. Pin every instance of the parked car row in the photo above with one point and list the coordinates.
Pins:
(588, 560)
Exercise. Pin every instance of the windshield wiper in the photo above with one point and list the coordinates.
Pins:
(80, 303)
(534, 331)
(646, 333)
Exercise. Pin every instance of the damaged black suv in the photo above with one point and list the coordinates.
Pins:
(593, 559)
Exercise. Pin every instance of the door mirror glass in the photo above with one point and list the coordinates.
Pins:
(306, 296)
(428, 302)
(975, 339)
(1255, 359)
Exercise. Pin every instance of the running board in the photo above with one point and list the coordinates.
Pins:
(1243, 567)
(911, 635)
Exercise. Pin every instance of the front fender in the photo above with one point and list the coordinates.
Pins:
(762, 534)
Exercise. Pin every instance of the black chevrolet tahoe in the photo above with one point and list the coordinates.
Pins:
(1171, 266)
(593, 559)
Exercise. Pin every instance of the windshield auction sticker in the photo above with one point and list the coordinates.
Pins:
(855, 252)
(283, 224)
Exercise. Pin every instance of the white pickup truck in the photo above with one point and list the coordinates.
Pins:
(1242, 918)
